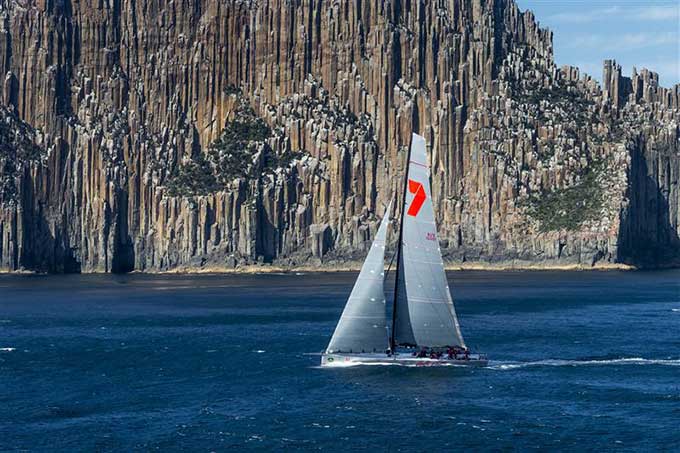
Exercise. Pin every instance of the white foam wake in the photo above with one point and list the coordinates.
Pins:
(494, 365)
(390, 363)
(7, 349)
(675, 310)
(355, 364)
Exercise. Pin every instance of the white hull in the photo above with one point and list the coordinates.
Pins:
(346, 360)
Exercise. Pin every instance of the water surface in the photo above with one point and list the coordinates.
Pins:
(94, 362)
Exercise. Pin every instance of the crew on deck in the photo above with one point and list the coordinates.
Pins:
(452, 353)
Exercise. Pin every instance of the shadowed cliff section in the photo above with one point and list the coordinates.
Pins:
(139, 107)
(649, 230)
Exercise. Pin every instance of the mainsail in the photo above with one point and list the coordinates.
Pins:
(363, 326)
(423, 311)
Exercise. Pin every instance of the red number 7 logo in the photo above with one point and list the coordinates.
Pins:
(417, 189)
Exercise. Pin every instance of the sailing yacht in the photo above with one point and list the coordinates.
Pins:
(423, 329)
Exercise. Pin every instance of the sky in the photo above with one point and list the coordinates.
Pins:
(640, 33)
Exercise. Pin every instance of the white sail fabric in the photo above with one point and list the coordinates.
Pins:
(363, 324)
(431, 314)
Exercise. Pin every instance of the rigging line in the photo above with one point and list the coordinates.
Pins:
(389, 266)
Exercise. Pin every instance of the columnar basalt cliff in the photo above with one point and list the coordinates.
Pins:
(155, 135)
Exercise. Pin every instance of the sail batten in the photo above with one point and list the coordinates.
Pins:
(424, 310)
(363, 324)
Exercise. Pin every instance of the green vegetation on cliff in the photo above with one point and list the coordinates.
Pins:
(568, 208)
(232, 155)
(17, 149)
(193, 178)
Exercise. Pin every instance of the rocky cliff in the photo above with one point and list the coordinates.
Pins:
(154, 135)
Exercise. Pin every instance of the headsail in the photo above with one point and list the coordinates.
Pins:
(363, 324)
(422, 285)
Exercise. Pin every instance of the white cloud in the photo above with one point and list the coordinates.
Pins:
(649, 39)
(656, 13)
(583, 16)
(670, 12)
(620, 43)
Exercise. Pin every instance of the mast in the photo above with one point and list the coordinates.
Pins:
(393, 344)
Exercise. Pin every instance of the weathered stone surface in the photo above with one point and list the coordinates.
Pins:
(530, 163)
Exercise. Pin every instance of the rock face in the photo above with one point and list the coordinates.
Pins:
(151, 135)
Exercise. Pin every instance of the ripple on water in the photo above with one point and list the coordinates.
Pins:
(592, 371)
(605, 362)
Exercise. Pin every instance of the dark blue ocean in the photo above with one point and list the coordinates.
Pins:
(579, 361)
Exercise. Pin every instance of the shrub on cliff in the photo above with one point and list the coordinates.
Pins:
(17, 149)
(243, 130)
(568, 208)
(193, 178)
(234, 154)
